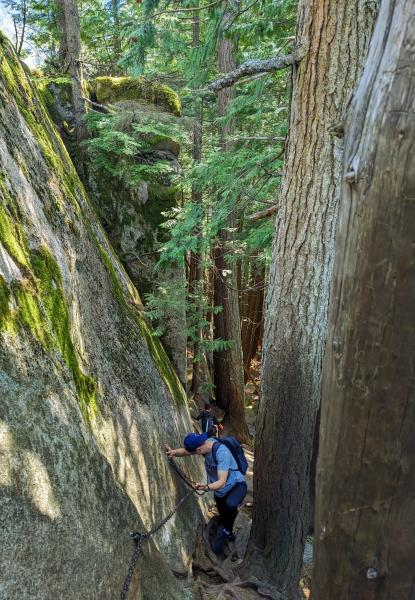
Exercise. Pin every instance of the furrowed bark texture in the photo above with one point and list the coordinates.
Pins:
(366, 487)
(73, 48)
(251, 308)
(228, 364)
(196, 259)
(334, 37)
(251, 67)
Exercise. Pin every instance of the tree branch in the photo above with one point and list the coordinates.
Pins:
(180, 10)
(256, 138)
(252, 67)
(263, 213)
(100, 107)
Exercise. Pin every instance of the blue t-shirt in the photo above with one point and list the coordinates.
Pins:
(224, 462)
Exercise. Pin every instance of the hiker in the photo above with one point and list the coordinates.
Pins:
(225, 477)
(210, 424)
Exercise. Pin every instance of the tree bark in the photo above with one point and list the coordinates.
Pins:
(23, 31)
(252, 67)
(60, 24)
(252, 315)
(228, 364)
(116, 38)
(366, 487)
(334, 37)
(196, 268)
(68, 9)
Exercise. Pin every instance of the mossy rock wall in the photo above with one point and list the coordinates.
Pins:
(110, 90)
(88, 396)
(132, 215)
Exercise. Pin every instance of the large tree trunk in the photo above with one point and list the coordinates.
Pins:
(366, 486)
(63, 48)
(228, 364)
(334, 37)
(196, 263)
(70, 50)
(116, 36)
(252, 314)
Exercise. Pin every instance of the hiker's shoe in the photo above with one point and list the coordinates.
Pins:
(220, 539)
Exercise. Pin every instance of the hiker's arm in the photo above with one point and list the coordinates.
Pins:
(217, 423)
(216, 485)
(172, 452)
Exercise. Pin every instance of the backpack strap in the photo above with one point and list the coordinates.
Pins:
(215, 449)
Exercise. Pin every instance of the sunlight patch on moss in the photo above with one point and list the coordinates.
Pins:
(11, 235)
(5, 295)
(41, 309)
(47, 271)
(39, 122)
(116, 89)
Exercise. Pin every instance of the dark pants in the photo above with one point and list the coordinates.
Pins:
(227, 505)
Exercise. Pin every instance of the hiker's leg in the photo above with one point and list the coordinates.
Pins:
(221, 506)
(232, 500)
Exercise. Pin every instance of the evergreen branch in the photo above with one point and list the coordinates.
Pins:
(241, 12)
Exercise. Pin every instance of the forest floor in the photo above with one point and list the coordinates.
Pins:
(221, 578)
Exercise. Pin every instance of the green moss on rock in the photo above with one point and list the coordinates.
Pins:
(4, 303)
(11, 237)
(115, 89)
(40, 307)
(38, 121)
(161, 198)
(61, 85)
(53, 303)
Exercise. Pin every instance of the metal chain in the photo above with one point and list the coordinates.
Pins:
(139, 538)
(138, 541)
(189, 482)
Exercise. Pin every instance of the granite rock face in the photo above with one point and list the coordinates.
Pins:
(133, 214)
(88, 395)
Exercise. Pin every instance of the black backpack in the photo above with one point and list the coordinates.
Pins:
(236, 450)
(208, 422)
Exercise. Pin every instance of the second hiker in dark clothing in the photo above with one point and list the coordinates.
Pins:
(225, 477)
(210, 424)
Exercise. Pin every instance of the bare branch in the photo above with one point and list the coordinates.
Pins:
(252, 67)
(100, 107)
(262, 214)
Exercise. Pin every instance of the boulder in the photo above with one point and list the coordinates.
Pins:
(133, 213)
(88, 395)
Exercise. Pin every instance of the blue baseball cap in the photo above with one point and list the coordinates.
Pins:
(194, 440)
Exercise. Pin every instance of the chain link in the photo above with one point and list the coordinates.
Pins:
(139, 538)
(189, 482)
(138, 541)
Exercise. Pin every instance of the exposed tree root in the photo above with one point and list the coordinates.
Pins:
(215, 579)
